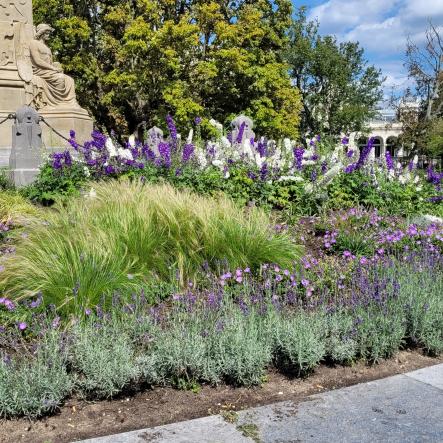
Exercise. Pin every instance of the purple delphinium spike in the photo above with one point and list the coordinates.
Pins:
(188, 152)
(389, 161)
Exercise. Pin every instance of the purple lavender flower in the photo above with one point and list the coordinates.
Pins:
(350, 153)
(198, 121)
(345, 141)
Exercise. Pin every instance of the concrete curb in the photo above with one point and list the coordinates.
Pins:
(401, 409)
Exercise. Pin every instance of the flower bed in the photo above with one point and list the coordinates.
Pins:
(135, 283)
(275, 175)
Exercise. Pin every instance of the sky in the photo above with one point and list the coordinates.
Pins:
(381, 27)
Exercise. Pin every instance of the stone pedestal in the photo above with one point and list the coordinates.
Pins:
(64, 120)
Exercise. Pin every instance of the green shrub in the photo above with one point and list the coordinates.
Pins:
(381, 330)
(422, 293)
(35, 386)
(130, 233)
(243, 348)
(300, 342)
(181, 355)
(54, 185)
(103, 358)
(341, 343)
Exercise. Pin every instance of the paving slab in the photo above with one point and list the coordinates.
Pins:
(432, 376)
(401, 409)
(204, 430)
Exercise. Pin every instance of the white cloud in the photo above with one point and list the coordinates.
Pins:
(381, 27)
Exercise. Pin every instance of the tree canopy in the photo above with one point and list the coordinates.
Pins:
(339, 89)
(135, 61)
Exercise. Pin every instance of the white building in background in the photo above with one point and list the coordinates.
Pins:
(385, 129)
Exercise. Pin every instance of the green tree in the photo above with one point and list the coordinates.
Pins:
(435, 138)
(137, 60)
(339, 90)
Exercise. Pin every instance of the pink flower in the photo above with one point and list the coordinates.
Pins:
(305, 283)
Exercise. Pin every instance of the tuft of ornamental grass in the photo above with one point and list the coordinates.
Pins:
(129, 234)
(15, 209)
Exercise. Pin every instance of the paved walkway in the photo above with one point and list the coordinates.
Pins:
(404, 408)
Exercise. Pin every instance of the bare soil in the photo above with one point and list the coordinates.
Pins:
(79, 420)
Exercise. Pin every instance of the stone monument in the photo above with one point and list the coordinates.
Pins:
(242, 126)
(26, 156)
(29, 76)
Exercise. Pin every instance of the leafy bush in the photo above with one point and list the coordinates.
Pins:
(300, 342)
(35, 386)
(54, 184)
(103, 357)
(129, 233)
(342, 341)
(243, 348)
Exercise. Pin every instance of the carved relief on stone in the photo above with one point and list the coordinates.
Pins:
(16, 11)
(7, 45)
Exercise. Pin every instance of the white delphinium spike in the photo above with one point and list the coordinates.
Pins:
(259, 160)
(125, 154)
(225, 143)
(190, 136)
(248, 149)
(201, 159)
(110, 147)
(131, 141)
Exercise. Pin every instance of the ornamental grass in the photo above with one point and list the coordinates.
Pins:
(15, 209)
(127, 234)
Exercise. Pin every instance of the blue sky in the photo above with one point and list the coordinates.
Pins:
(381, 27)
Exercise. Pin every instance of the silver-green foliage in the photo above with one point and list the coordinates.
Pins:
(243, 348)
(381, 330)
(104, 359)
(35, 385)
(341, 340)
(422, 294)
(300, 341)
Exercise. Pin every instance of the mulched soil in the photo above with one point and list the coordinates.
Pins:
(79, 420)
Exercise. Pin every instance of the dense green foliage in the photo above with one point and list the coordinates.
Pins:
(339, 90)
(135, 61)
(139, 233)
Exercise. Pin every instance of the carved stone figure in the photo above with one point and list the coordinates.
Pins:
(52, 88)
(243, 126)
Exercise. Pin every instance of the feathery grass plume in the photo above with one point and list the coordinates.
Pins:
(129, 233)
(14, 208)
